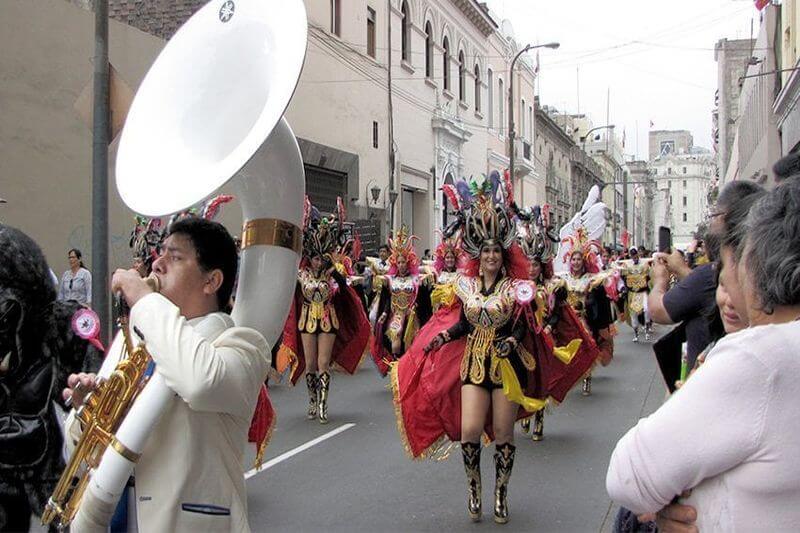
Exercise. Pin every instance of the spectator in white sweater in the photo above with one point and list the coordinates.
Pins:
(729, 435)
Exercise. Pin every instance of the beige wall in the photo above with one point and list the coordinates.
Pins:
(45, 148)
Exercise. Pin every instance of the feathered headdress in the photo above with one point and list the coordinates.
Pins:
(146, 239)
(535, 235)
(483, 210)
(402, 245)
(322, 235)
(583, 233)
(446, 246)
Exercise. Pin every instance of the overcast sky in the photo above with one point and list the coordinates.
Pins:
(657, 58)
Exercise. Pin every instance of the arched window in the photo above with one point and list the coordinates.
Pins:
(446, 63)
(428, 50)
(405, 36)
(462, 75)
(501, 106)
(490, 100)
(477, 88)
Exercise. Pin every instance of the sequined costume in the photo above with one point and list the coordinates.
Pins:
(487, 340)
(324, 303)
(444, 290)
(486, 319)
(635, 275)
(403, 303)
(317, 313)
(588, 296)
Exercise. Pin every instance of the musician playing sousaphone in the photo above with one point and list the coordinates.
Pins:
(189, 476)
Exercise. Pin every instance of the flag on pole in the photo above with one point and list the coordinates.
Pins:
(761, 4)
(536, 68)
(623, 138)
(651, 124)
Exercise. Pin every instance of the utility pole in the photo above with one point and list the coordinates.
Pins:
(100, 139)
(511, 133)
(392, 153)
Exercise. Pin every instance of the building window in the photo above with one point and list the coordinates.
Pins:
(530, 123)
(446, 63)
(370, 32)
(374, 134)
(669, 182)
(501, 106)
(336, 18)
(522, 124)
(684, 217)
(684, 171)
(405, 35)
(669, 170)
(407, 209)
(477, 88)
(684, 184)
(462, 75)
(655, 172)
(490, 90)
(684, 201)
(428, 50)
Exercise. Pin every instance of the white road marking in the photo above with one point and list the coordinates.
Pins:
(291, 453)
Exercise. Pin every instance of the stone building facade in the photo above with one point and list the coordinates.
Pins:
(395, 99)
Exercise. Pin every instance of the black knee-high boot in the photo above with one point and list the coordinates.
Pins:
(503, 464)
(324, 388)
(312, 382)
(538, 425)
(472, 465)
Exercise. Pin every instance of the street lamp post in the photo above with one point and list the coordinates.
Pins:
(511, 133)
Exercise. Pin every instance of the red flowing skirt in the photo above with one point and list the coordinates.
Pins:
(351, 341)
(427, 387)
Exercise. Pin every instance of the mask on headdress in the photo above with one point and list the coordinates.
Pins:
(483, 211)
(322, 236)
(536, 236)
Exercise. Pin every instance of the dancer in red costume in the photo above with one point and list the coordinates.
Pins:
(589, 289)
(478, 366)
(327, 317)
(558, 323)
(449, 258)
(403, 303)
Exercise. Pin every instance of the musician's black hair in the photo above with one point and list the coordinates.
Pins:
(215, 248)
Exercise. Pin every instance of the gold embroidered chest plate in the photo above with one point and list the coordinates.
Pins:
(486, 311)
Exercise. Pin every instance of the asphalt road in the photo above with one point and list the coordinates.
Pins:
(353, 475)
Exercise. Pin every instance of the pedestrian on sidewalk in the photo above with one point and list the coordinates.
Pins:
(735, 404)
(76, 283)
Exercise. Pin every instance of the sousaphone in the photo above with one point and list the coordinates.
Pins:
(209, 111)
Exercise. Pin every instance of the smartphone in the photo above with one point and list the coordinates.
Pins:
(664, 239)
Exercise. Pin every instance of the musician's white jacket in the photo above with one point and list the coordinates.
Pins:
(191, 474)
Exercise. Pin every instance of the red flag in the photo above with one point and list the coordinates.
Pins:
(761, 4)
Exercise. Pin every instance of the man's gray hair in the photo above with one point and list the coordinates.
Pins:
(772, 247)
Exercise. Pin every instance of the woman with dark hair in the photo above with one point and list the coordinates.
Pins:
(76, 283)
(471, 369)
(403, 302)
(327, 313)
(745, 475)
(560, 327)
(589, 292)
(448, 259)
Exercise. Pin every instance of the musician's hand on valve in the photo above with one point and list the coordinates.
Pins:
(78, 387)
(132, 286)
